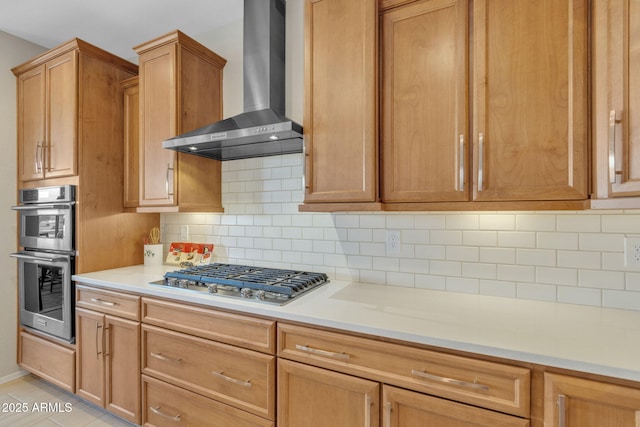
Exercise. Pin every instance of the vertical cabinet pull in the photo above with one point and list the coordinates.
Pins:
(461, 161)
(166, 183)
(387, 414)
(562, 415)
(612, 146)
(367, 410)
(37, 158)
(156, 410)
(480, 161)
(98, 340)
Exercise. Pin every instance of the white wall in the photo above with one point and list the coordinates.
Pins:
(14, 51)
(572, 257)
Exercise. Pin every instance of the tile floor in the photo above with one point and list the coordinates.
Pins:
(31, 402)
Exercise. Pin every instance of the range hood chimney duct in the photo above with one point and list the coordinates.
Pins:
(262, 129)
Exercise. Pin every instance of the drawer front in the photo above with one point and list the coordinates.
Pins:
(241, 378)
(167, 405)
(235, 329)
(490, 385)
(50, 361)
(115, 303)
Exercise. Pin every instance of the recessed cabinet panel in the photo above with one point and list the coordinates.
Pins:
(424, 126)
(530, 101)
(340, 101)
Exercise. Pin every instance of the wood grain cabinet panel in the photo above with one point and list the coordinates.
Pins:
(166, 405)
(424, 135)
(530, 100)
(116, 303)
(616, 110)
(241, 378)
(577, 402)
(490, 385)
(53, 362)
(340, 120)
(405, 408)
(309, 396)
(180, 89)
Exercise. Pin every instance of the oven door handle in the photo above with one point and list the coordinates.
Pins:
(49, 206)
(27, 256)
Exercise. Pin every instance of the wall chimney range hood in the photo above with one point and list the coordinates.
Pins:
(262, 129)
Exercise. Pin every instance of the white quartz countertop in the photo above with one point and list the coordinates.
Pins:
(596, 340)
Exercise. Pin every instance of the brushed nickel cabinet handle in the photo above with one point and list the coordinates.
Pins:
(367, 410)
(316, 351)
(103, 302)
(37, 158)
(387, 414)
(562, 415)
(156, 410)
(612, 145)
(461, 161)
(164, 358)
(221, 375)
(98, 340)
(473, 385)
(480, 161)
(166, 182)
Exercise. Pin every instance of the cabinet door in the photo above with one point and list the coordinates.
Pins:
(158, 118)
(90, 342)
(404, 408)
(530, 99)
(617, 97)
(31, 124)
(424, 102)
(340, 119)
(576, 402)
(122, 357)
(62, 107)
(322, 398)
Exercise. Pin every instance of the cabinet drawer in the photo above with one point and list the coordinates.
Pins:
(116, 303)
(167, 405)
(48, 360)
(235, 329)
(241, 378)
(490, 385)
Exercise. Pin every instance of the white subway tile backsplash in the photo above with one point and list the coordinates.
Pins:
(569, 257)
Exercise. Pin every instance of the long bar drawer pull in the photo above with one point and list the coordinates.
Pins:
(427, 376)
(164, 358)
(103, 302)
(343, 356)
(156, 410)
(221, 374)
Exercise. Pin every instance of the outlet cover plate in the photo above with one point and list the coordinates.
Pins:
(632, 253)
(393, 245)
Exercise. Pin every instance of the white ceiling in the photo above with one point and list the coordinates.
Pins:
(113, 25)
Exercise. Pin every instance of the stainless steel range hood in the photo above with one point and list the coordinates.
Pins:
(263, 129)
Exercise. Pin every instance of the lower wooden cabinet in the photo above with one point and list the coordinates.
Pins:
(404, 408)
(310, 396)
(108, 362)
(577, 402)
(53, 362)
(168, 405)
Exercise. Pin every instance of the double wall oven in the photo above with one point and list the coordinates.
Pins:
(46, 223)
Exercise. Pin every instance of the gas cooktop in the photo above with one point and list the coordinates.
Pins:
(270, 285)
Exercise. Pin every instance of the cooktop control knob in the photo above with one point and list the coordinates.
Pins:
(212, 288)
(246, 292)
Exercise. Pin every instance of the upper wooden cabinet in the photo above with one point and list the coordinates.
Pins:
(504, 129)
(530, 103)
(616, 108)
(340, 120)
(180, 90)
(53, 115)
(424, 129)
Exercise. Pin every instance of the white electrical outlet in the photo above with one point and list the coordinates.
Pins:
(184, 232)
(632, 253)
(393, 242)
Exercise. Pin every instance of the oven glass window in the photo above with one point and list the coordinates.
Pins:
(43, 292)
(44, 226)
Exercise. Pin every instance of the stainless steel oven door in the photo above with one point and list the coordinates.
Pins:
(46, 292)
(46, 226)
